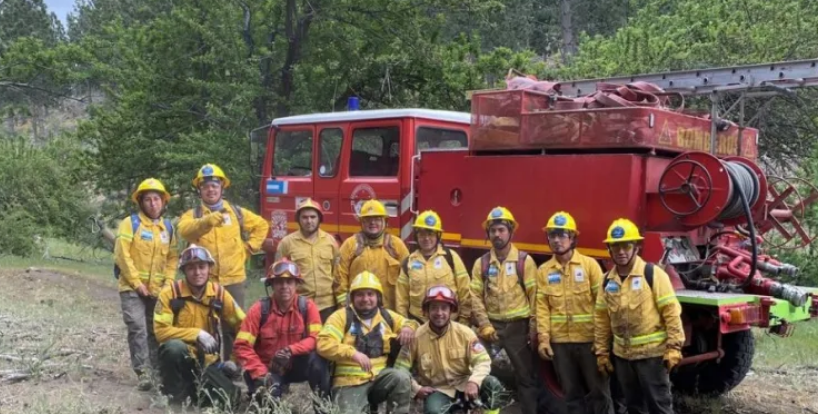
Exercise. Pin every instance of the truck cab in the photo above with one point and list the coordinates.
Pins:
(341, 159)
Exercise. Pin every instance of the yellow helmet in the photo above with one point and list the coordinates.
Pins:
(622, 230)
(428, 220)
(561, 220)
(500, 213)
(211, 170)
(151, 184)
(309, 203)
(372, 208)
(365, 280)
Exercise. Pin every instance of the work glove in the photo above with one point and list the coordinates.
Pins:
(603, 363)
(208, 342)
(545, 351)
(215, 219)
(672, 358)
(281, 361)
(489, 333)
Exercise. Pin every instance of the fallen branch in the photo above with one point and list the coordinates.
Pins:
(10, 358)
(16, 377)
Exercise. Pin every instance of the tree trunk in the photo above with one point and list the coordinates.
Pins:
(296, 29)
(569, 42)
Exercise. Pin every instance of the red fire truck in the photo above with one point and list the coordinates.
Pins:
(601, 150)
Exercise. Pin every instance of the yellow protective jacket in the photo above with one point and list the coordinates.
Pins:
(148, 257)
(194, 316)
(445, 362)
(643, 322)
(317, 260)
(503, 299)
(374, 258)
(566, 296)
(423, 274)
(337, 344)
(224, 241)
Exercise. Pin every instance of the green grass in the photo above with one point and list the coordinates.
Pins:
(799, 349)
(62, 255)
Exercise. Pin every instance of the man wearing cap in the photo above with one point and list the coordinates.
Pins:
(187, 321)
(146, 257)
(373, 250)
(638, 311)
(217, 225)
(452, 365)
(316, 253)
(504, 288)
(567, 287)
(276, 342)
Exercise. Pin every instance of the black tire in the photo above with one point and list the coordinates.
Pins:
(713, 378)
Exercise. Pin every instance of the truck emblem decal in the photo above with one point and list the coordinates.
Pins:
(360, 193)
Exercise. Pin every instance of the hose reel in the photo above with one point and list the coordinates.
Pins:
(699, 188)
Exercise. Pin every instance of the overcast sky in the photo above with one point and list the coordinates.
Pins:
(61, 8)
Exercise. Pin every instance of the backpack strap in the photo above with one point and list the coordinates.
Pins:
(351, 319)
(447, 253)
(218, 303)
(135, 223)
(359, 245)
(404, 264)
(302, 308)
(648, 276)
(387, 317)
(197, 212)
(485, 263)
(239, 214)
(389, 246)
(169, 228)
(177, 302)
(521, 258)
(266, 304)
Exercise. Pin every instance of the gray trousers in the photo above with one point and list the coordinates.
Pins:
(514, 340)
(237, 292)
(392, 386)
(137, 312)
(646, 385)
(584, 386)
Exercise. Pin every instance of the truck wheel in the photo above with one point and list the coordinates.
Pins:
(713, 378)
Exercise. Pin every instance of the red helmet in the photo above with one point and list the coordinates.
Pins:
(283, 269)
(440, 293)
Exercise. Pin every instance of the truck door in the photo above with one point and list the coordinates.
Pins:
(328, 181)
(291, 177)
(372, 171)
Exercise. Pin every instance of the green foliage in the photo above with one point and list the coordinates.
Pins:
(19, 233)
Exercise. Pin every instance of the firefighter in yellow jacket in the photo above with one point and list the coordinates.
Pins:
(373, 250)
(504, 288)
(146, 256)
(431, 265)
(316, 254)
(638, 311)
(567, 287)
(187, 322)
(217, 225)
(358, 340)
(452, 365)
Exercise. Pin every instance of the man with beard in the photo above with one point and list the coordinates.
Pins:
(187, 319)
(316, 253)
(567, 286)
(358, 339)
(452, 365)
(638, 311)
(217, 225)
(276, 342)
(504, 289)
(432, 264)
(373, 250)
(146, 257)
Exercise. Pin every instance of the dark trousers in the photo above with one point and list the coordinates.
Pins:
(514, 340)
(310, 368)
(492, 395)
(178, 369)
(646, 385)
(229, 334)
(583, 384)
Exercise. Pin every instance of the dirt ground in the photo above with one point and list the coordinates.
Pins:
(63, 350)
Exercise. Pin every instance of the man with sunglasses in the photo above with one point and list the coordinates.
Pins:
(638, 311)
(276, 342)
(432, 264)
(316, 253)
(452, 365)
(187, 321)
(504, 288)
(218, 226)
(567, 287)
